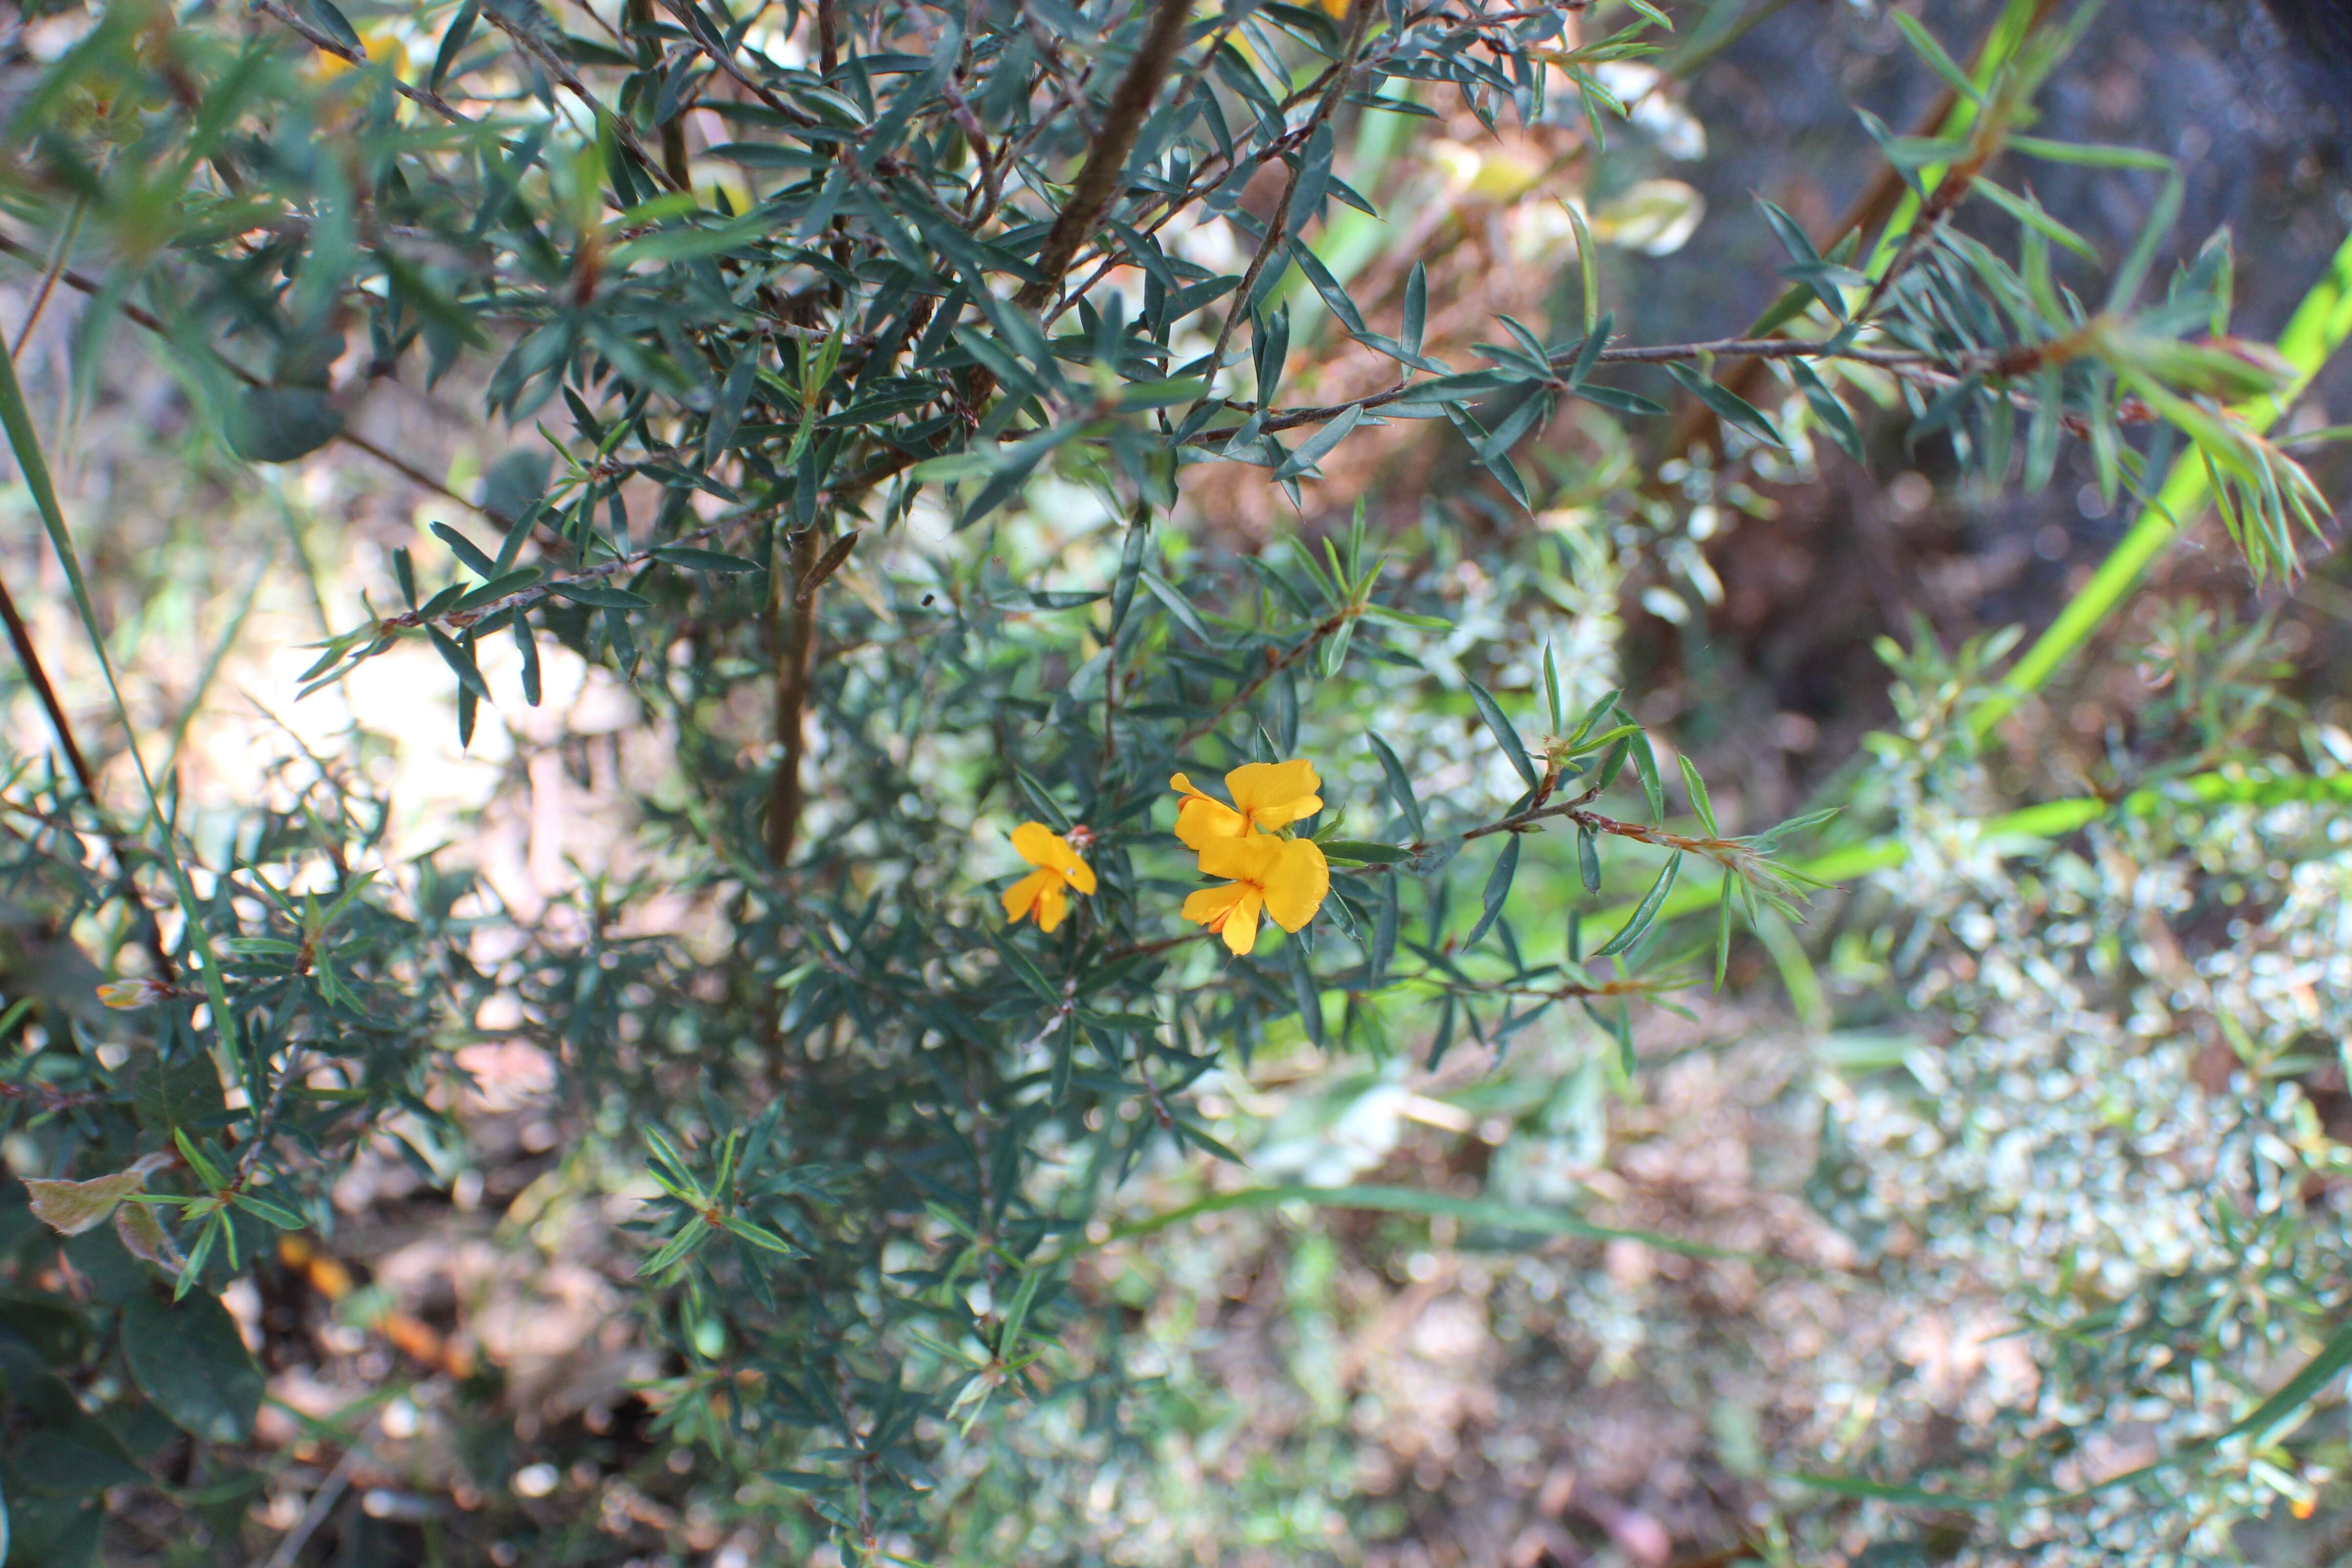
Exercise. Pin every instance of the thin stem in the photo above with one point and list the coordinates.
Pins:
(20, 637)
(49, 279)
(1105, 164)
(327, 43)
(795, 616)
(82, 284)
(1276, 663)
(1359, 19)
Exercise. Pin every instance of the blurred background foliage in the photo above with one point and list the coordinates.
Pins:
(564, 536)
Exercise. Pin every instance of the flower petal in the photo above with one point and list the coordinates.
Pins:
(1041, 846)
(1210, 906)
(1249, 858)
(1275, 795)
(1240, 930)
(1021, 897)
(1201, 822)
(1053, 902)
(1298, 885)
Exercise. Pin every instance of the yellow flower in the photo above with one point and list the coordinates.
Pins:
(1285, 878)
(1044, 893)
(1266, 795)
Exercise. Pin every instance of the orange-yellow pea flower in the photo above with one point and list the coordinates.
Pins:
(1266, 795)
(1285, 878)
(1043, 894)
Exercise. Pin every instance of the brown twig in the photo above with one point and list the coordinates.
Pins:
(82, 284)
(1652, 354)
(794, 619)
(1105, 164)
(49, 282)
(1358, 18)
(1276, 661)
(327, 43)
(1873, 207)
(20, 637)
(640, 15)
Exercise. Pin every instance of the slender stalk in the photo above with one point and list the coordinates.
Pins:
(2048, 820)
(17, 418)
(49, 279)
(1886, 200)
(2318, 327)
(82, 284)
(673, 131)
(1106, 163)
(794, 615)
(20, 637)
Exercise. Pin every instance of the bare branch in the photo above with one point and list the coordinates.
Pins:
(1106, 163)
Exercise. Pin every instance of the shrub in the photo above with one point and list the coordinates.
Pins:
(852, 448)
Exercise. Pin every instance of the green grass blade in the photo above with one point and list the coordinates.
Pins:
(26, 444)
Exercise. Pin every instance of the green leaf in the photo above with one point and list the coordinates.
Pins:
(460, 660)
(453, 44)
(73, 1459)
(1588, 262)
(760, 1235)
(71, 1208)
(480, 564)
(600, 597)
(1041, 799)
(1587, 859)
(1391, 615)
(1728, 406)
(1178, 606)
(1646, 764)
(1929, 50)
(498, 588)
(283, 1218)
(1016, 1314)
(1513, 747)
(198, 1161)
(679, 1247)
(1701, 808)
(1024, 969)
(1365, 854)
(280, 424)
(188, 1358)
(1399, 786)
(1334, 296)
(529, 648)
(1499, 890)
(2029, 211)
(1644, 913)
(1832, 414)
(1723, 931)
(1317, 445)
(2091, 155)
(335, 25)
